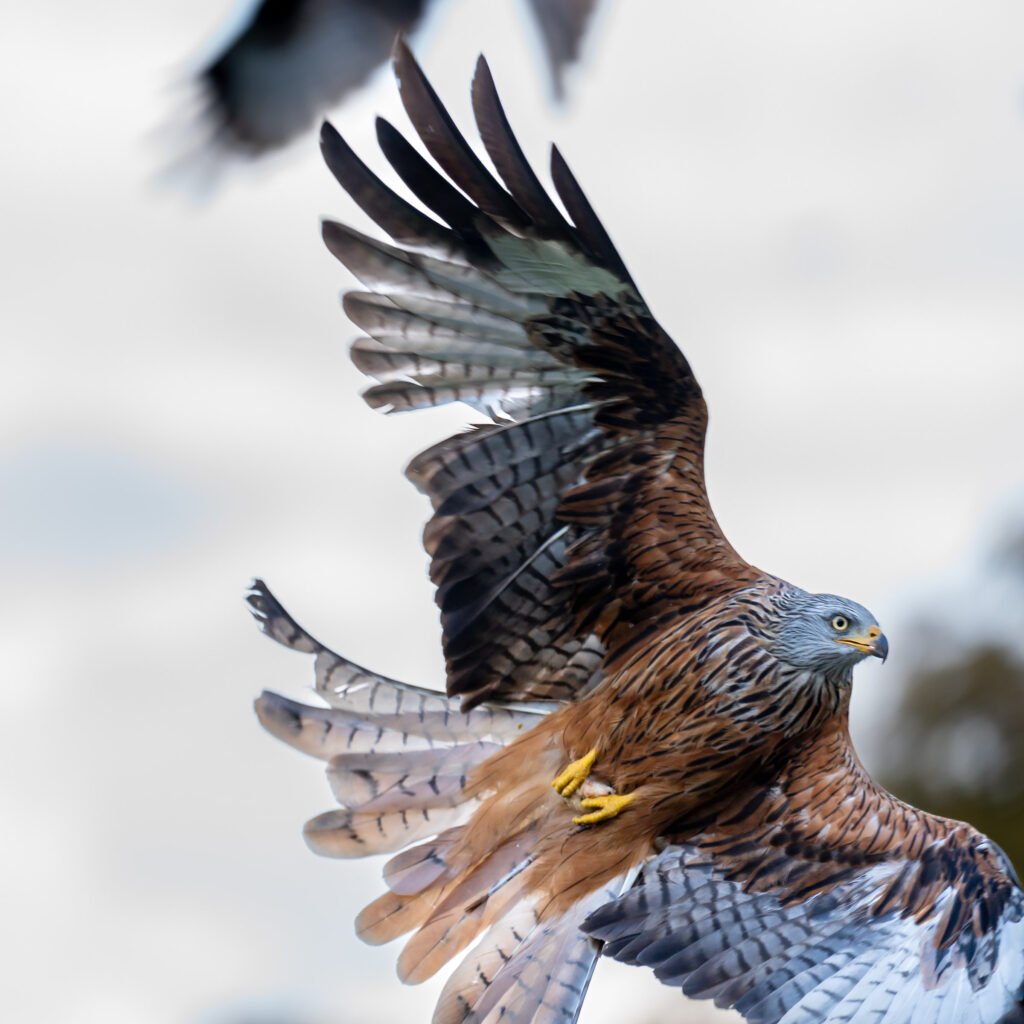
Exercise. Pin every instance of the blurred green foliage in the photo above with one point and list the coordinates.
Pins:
(956, 745)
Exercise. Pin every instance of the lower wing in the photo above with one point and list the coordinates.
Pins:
(815, 896)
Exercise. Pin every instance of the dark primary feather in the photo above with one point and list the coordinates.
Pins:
(507, 156)
(446, 143)
(398, 217)
(430, 187)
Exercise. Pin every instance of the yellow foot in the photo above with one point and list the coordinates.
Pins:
(603, 807)
(575, 775)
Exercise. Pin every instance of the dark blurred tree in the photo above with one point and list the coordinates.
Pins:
(956, 744)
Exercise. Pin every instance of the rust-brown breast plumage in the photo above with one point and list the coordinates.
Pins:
(590, 603)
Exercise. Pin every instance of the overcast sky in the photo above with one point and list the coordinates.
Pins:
(822, 202)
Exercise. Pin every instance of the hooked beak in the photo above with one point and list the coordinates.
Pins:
(872, 642)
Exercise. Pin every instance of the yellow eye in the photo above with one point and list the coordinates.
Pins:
(840, 623)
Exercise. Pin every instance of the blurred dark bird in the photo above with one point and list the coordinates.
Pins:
(644, 749)
(295, 59)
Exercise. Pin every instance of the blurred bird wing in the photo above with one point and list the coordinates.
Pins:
(293, 60)
(579, 512)
(562, 24)
(815, 895)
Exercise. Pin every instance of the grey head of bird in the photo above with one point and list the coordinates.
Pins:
(828, 634)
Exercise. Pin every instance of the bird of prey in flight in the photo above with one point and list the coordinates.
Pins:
(294, 59)
(644, 751)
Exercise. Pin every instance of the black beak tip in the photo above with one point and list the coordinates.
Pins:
(881, 648)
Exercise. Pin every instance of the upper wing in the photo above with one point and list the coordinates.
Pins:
(563, 24)
(580, 511)
(293, 60)
(814, 895)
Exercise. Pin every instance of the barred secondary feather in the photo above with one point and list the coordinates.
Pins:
(594, 616)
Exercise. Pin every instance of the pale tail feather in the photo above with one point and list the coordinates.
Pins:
(327, 732)
(477, 899)
(405, 780)
(418, 867)
(398, 755)
(470, 980)
(346, 833)
(369, 697)
(392, 915)
(456, 901)
(526, 968)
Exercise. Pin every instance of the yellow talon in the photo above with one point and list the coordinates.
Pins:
(575, 775)
(604, 807)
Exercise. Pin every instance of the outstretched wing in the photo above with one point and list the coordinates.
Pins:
(579, 513)
(814, 895)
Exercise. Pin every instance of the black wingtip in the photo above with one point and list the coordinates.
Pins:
(402, 60)
(334, 149)
(409, 74)
(275, 622)
(263, 606)
(331, 232)
(281, 717)
(384, 130)
(336, 238)
(586, 221)
(482, 83)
